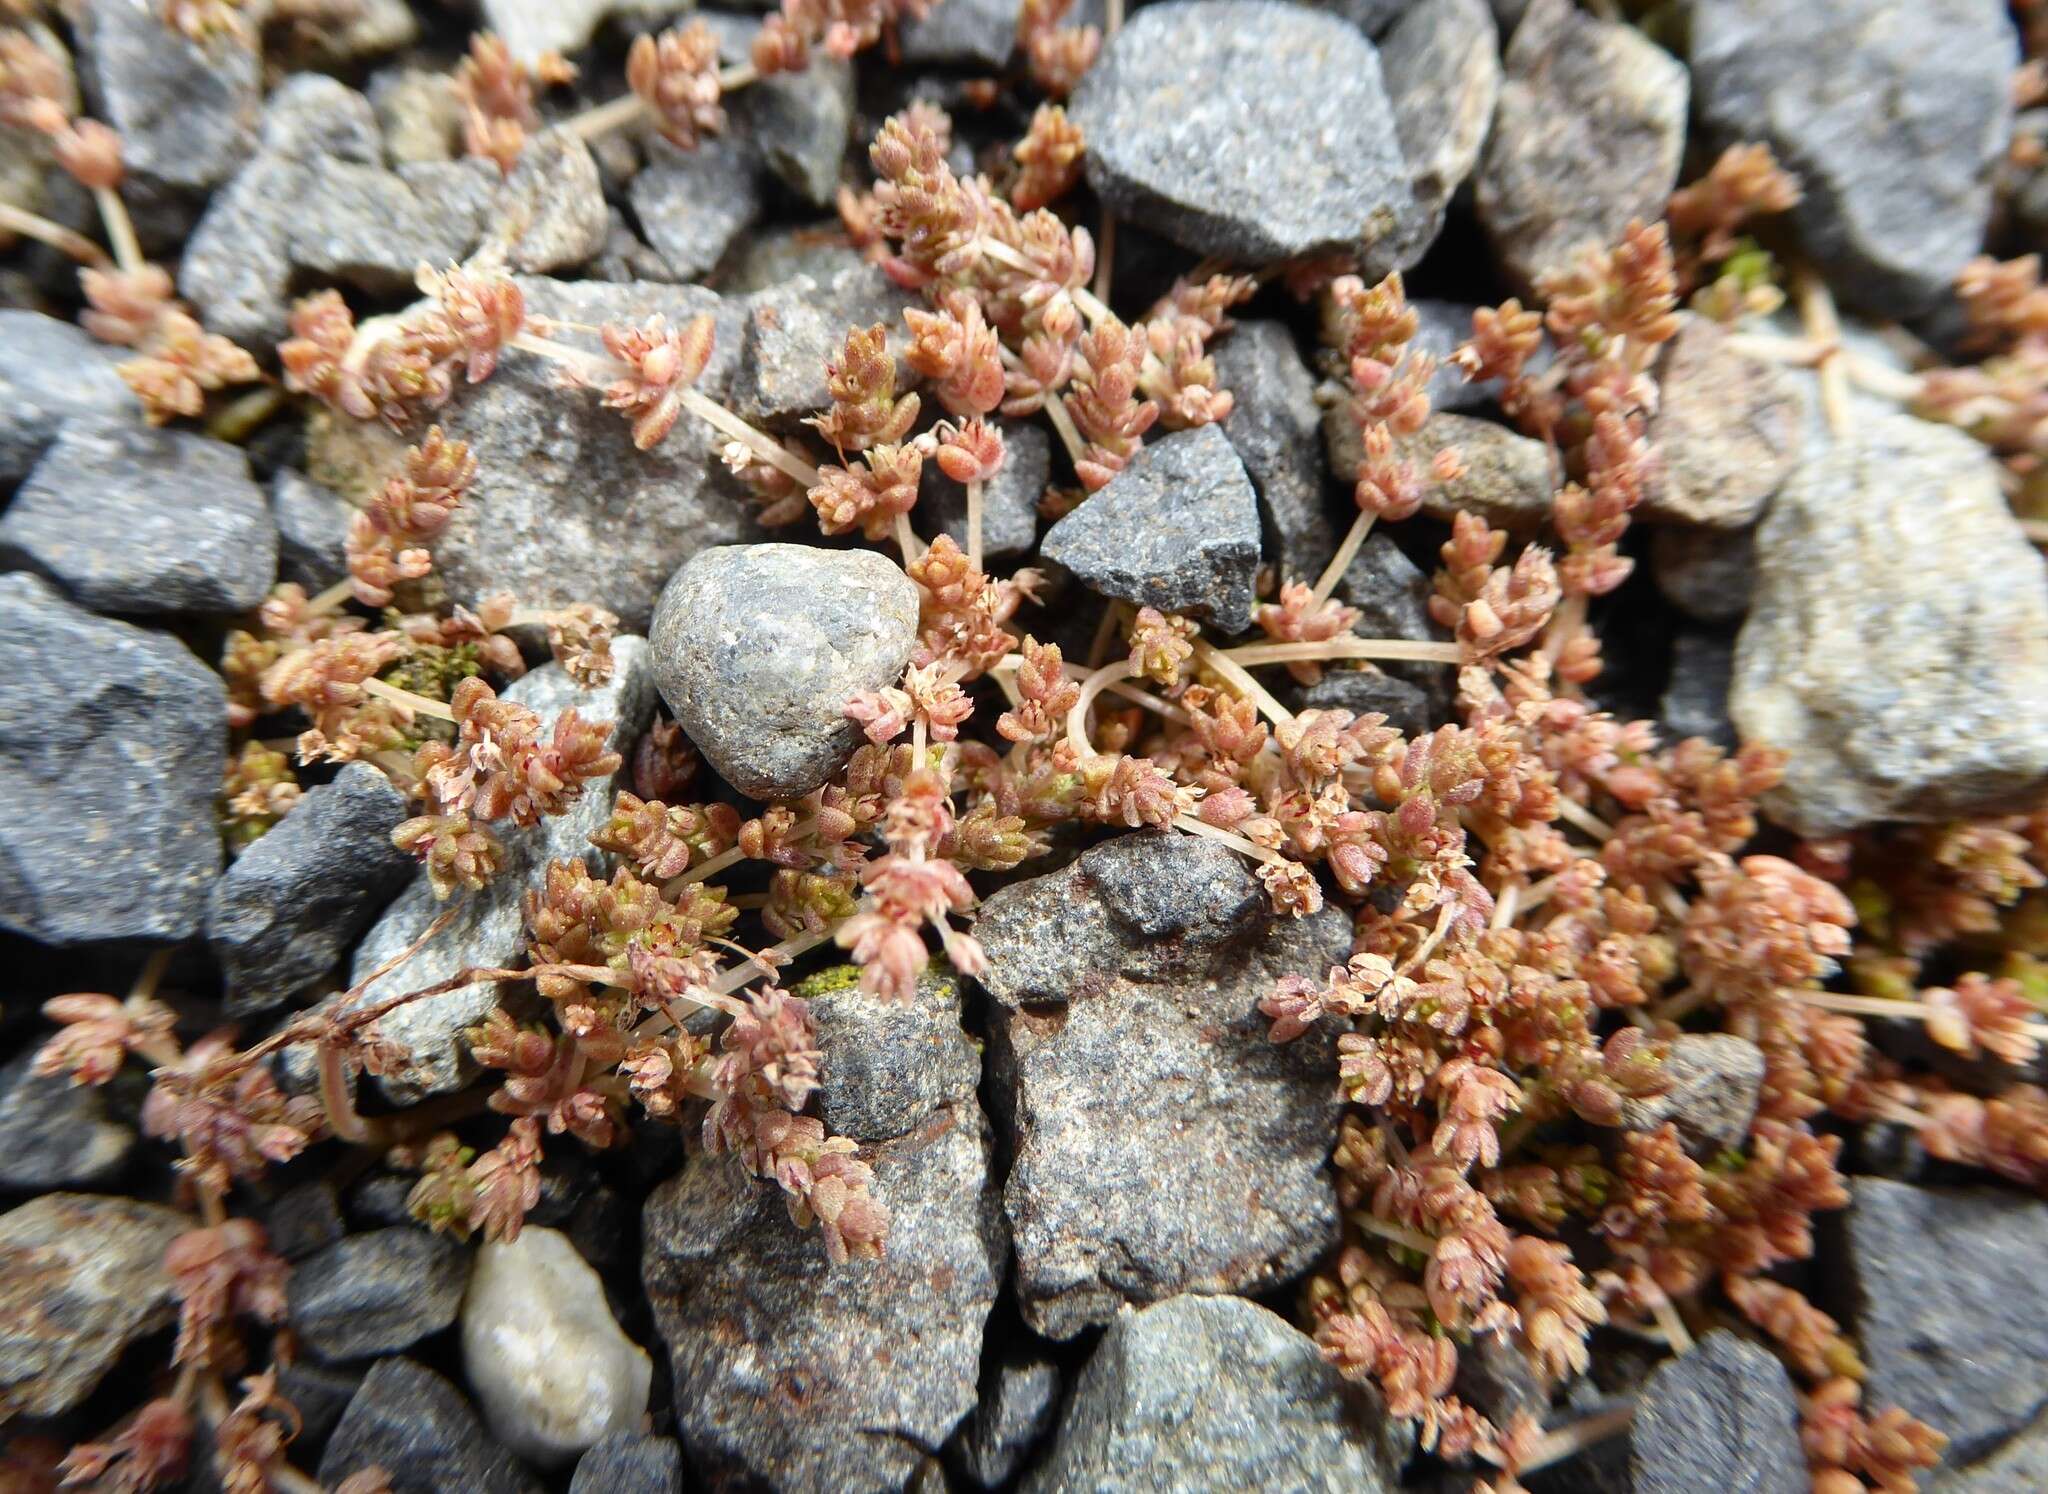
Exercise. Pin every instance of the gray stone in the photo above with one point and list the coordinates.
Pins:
(373, 228)
(1370, 16)
(773, 255)
(626, 258)
(312, 530)
(1178, 529)
(1695, 700)
(186, 111)
(566, 508)
(2018, 1467)
(81, 1278)
(968, 33)
(549, 214)
(1442, 65)
(369, 28)
(531, 27)
(628, 1463)
(1897, 647)
(549, 1363)
(1721, 1416)
(1017, 1410)
(794, 1373)
(1223, 1386)
(1714, 1080)
(1587, 135)
(1507, 479)
(416, 1426)
(793, 327)
(1009, 500)
(378, 1293)
(1272, 425)
(1190, 1162)
(1708, 574)
(112, 737)
(489, 927)
(55, 1134)
(1392, 597)
(419, 114)
(52, 372)
(757, 649)
(1197, 113)
(320, 1393)
(888, 1066)
(1894, 198)
(1409, 708)
(132, 519)
(800, 123)
(304, 1220)
(1947, 1300)
(692, 204)
(1728, 431)
(290, 906)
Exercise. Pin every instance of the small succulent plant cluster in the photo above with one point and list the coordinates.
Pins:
(1545, 898)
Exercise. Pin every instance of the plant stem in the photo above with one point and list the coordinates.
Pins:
(418, 704)
(1241, 679)
(1817, 314)
(1582, 818)
(602, 119)
(333, 597)
(1092, 686)
(1406, 650)
(56, 235)
(1400, 1234)
(764, 446)
(1346, 552)
(336, 1099)
(1229, 838)
(1561, 1444)
(120, 229)
(907, 540)
(1105, 246)
(974, 523)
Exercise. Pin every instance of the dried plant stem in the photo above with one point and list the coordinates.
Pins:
(1092, 306)
(120, 229)
(1666, 1313)
(1242, 681)
(1117, 688)
(1400, 650)
(1817, 315)
(1105, 251)
(56, 235)
(335, 596)
(337, 1097)
(1582, 818)
(630, 108)
(907, 540)
(1092, 686)
(1346, 552)
(1884, 1006)
(974, 523)
(1229, 838)
(1508, 904)
(1400, 1234)
(1805, 352)
(1063, 423)
(1565, 1441)
(418, 704)
(766, 447)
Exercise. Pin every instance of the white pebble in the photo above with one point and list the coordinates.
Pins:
(550, 1366)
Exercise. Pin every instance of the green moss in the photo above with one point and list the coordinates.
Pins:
(829, 982)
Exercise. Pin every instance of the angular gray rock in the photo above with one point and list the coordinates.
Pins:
(378, 1293)
(1224, 1386)
(1895, 199)
(1409, 708)
(81, 1278)
(1272, 425)
(793, 327)
(531, 27)
(1721, 1416)
(800, 124)
(305, 1219)
(1178, 529)
(52, 372)
(132, 519)
(567, 509)
(757, 649)
(186, 110)
(1587, 135)
(1507, 478)
(1715, 1079)
(1017, 1410)
(769, 256)
(1695, 701)
(1442, 65)
(112, 737)
(794, 1373)
(1708, 574)
(56, 1134)
(1192, 1161)
(692, 204)
(976, 33)
(289, 907)
(1392, 597)
(549, 214)
(1728, 431)
(1946, 1296)
(417, 1427)
(373, 228)
(1897, 646)
(312, 530)
(2019, 1466)
(1196, 113)
(1009, 500)
(888, 1066)
(549, 1363)
(489, 927)
(628, 1463)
